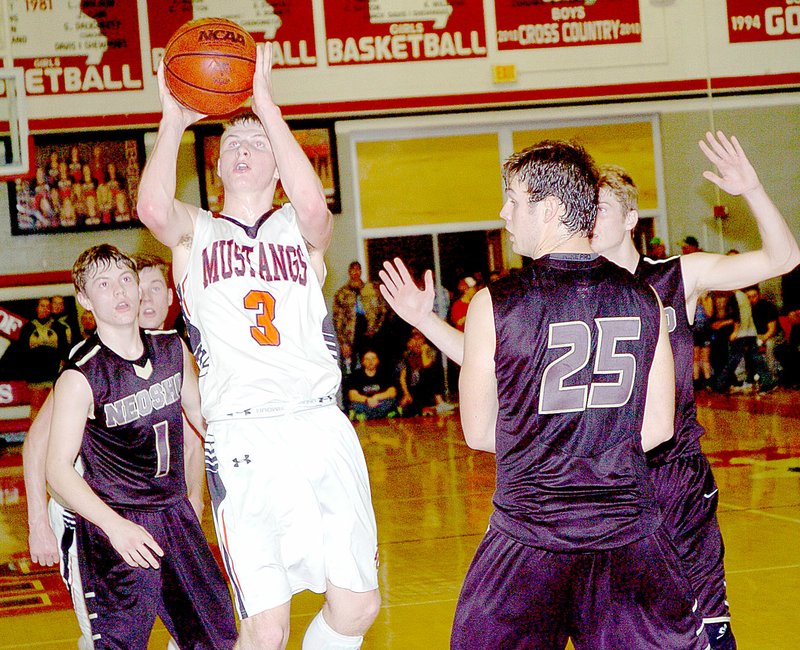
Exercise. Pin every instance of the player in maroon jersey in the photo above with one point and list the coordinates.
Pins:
(568, 378)
(141, 549)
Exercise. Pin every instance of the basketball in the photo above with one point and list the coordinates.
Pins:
(209, 65)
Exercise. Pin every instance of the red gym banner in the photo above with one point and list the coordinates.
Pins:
(386, 31)
(68, 47)
(288, 24)
(523, 25)
(10, 324)
(13, 393)
(763, 20)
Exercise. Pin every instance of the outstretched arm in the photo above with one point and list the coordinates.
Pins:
(73, 399)
(42, 543)
(171, 221)
(299, 180)
(779, 251)
(477, 384)
(415, 306)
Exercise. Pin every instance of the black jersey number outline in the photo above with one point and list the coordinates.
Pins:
(264, 332)
(575, 336)
(162, 448)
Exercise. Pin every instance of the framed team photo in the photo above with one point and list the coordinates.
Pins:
(315, 137)
(78, 183)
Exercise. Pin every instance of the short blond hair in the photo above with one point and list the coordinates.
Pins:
(621, 185)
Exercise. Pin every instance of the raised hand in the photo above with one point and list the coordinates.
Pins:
(736, 174)
(171, 106)
(402, 293)
(262, 79)
(134, 544)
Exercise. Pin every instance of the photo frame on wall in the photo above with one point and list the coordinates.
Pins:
(316, 137)
(78, 183)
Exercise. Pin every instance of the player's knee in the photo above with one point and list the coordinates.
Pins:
(720, 636)
(372, 606)
(266, 634)
(354, 614)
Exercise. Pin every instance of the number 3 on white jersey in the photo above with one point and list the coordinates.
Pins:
(264, 332)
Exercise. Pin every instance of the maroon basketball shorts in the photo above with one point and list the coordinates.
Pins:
(187, 590)
(522, 597)
(687, 495)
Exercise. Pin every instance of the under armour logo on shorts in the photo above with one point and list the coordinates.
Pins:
(246, 460)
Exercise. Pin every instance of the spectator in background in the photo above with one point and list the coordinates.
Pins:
(467, 288)
(657, 249)
(744, 345)
(371, 393)
(421, 379)
(63, 324)
(722, 324)
(40, 352)
(358, 314)
(702, 334)
(788, 352)
(768, 330)
(690, 245)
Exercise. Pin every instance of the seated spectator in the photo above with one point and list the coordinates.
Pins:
(744, 345)
(421, 379)
(371, 391)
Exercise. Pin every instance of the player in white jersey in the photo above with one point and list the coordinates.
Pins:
(286, 473)
(51, 527)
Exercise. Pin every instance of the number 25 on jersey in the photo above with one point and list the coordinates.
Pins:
(575, 336)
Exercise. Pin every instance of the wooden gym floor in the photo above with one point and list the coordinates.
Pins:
(432, 499)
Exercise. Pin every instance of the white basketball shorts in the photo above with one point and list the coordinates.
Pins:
(292, 506)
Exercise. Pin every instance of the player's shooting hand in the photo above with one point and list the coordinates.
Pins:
(171, 106)
(736, 174)
(402, 293)
(134, 544)
(262, 79)
(43, 545)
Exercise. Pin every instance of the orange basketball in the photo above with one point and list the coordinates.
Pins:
(209, 65)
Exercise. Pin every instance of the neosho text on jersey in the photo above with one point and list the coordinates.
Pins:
(143, 402)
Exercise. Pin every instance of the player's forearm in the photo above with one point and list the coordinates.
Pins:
(444, 336)
(777, 240)
(158, 184)
(77, 494)
(298, 178)
(34, 461)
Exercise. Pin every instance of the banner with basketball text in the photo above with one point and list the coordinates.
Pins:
(287, 24)
(386, 31)
(763, 20)
(76, 46)
(522, 24)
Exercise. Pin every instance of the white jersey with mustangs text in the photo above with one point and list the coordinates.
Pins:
(254, 311)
